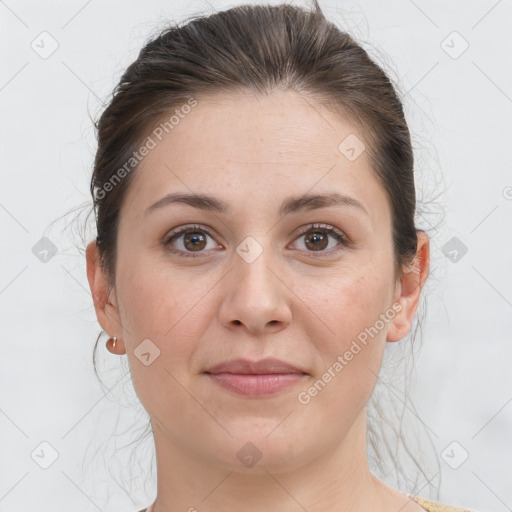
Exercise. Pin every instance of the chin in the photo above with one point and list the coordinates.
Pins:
(255, 451)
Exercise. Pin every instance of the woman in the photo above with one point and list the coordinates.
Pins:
(256, 249)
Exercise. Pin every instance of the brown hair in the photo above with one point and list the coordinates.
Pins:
(257, 48)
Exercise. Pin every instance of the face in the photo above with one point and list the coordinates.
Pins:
(312, 285)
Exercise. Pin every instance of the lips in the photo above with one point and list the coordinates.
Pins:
(263, 367)
(255, 378)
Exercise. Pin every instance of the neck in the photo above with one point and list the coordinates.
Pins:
(337, 479)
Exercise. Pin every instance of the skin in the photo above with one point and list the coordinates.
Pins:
(291, 303)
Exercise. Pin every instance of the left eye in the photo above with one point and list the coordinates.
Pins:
(317, 238)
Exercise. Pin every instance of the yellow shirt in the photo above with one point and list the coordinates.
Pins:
(431, 506)
(434, 506)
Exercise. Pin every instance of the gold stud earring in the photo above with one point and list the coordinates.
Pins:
(112, 341)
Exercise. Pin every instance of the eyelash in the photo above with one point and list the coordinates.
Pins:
(314, 228)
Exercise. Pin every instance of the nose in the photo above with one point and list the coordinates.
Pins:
(255, 297)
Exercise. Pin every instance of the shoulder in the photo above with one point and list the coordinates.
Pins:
(434, 506)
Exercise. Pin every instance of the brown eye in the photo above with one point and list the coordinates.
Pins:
(194, 241)
(316, 241)
(188, 240)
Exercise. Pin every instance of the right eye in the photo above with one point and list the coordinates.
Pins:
(193, 239)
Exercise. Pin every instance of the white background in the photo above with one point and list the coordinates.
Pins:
(459, 112)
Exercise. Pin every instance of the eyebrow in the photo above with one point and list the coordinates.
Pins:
(289, 205)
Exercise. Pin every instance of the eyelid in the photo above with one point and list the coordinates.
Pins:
(184, 229)
(319, 226)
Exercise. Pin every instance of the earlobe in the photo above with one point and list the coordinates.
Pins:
(409, 290)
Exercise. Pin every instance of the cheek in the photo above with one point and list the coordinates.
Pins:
(172, 313)
(351, 341)
(346, 304)
(168, 309)
(157, 301)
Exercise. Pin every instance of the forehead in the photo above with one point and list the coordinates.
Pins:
(278, 128)
(254, 146)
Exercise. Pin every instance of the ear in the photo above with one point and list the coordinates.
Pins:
(103, 298)
(409, 290)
